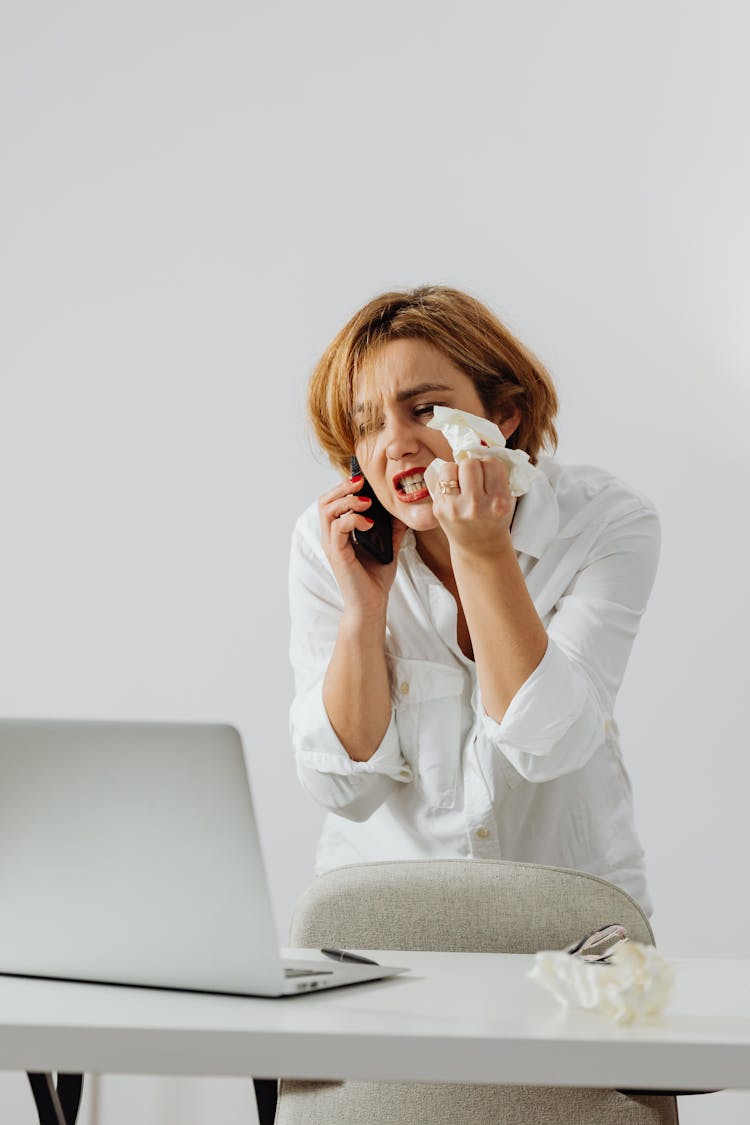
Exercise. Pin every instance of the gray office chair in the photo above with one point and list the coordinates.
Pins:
(465, 906)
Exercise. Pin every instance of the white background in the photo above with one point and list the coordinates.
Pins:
(196, 196)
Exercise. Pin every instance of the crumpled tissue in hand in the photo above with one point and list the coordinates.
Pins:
(471, 436)
(635, 984)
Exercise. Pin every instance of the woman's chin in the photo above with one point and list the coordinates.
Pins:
(419, 517)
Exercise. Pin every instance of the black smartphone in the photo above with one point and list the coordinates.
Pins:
(378, 539)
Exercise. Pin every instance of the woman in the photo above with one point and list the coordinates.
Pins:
(458, 702)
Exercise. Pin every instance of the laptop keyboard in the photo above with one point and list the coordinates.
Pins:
(307, 972)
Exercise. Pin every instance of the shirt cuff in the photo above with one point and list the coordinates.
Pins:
(541, 712)
(317, 745)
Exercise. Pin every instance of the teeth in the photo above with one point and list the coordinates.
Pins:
(413, 483)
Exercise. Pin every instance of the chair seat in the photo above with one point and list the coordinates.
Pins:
(402, 1103)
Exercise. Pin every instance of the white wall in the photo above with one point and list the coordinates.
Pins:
(195, 198)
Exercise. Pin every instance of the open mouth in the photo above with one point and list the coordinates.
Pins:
(410, 485)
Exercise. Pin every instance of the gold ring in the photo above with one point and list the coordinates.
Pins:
(448, 486)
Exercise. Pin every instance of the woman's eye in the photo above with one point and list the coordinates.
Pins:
(421, 411)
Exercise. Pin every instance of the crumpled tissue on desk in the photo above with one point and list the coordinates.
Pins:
(635, 984)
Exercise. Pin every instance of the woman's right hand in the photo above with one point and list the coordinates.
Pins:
(363, 581)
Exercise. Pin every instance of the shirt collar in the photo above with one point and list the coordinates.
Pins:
(537, 518)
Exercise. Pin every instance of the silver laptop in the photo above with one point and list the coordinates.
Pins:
(129, 854)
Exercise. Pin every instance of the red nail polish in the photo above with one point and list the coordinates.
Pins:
(368, 519)
(363, 499)
(355, 478)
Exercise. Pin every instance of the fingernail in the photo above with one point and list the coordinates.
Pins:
(355, 478)
(368, 519)
(363, 499)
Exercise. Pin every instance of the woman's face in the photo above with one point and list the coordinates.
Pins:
(412, 377)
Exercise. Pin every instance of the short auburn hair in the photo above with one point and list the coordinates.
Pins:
(506, 375)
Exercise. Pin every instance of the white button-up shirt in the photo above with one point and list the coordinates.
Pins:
(547, 784)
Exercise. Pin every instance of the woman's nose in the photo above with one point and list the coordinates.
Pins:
(402, 439)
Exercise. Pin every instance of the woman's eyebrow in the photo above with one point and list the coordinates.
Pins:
(411, 392)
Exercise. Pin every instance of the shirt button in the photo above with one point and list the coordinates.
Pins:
(404, 688)
(483, 833)
(404, 773)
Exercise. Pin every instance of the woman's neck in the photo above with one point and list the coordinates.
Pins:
(434, 551)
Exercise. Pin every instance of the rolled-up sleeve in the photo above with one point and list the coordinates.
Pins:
(351, 789)
(560, 716)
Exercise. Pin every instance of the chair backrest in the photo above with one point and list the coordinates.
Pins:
(460, 905)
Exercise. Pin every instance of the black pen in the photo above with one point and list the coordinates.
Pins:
(343, 955)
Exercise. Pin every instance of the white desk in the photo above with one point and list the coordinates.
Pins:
(458, 1017)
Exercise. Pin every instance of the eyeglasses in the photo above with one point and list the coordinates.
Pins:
(600, 944)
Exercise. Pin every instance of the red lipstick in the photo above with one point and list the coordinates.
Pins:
(409, 485)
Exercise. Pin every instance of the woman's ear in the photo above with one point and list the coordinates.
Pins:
(509, 424)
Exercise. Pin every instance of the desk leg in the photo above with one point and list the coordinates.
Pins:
(266, 1096)
(56, 1105)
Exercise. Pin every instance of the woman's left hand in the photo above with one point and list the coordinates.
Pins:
(476, 516)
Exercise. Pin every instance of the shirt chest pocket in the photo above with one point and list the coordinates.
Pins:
(427, 700)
